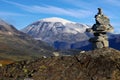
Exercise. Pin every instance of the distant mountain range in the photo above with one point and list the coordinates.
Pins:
(57, 32)
(63, 34)
(16, 45)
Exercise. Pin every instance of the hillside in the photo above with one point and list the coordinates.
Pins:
(16, 45)
(100, 64)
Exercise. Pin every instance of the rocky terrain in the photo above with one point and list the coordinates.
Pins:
(99, 64)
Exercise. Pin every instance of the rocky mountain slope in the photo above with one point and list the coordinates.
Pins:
(100, 64)
(16, 45)
(58, 32)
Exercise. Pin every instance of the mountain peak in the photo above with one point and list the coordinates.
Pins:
(56, 19)
(7, 29)
(54, 29)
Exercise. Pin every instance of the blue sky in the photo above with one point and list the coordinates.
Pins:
(21, 13)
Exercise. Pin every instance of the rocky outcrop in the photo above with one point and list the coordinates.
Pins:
(100, 30)
(100, 64)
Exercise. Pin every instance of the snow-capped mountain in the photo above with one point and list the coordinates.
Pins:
(56, 25)
(58, 32)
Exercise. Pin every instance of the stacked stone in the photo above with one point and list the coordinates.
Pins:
(100, 29)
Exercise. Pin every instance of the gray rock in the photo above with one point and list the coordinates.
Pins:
(99, 29)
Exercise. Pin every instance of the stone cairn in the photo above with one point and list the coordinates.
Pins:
(100, 29)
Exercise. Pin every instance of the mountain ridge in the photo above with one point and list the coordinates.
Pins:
(56, 31)
(16, 45)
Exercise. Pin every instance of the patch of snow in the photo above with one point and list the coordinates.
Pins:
(56, 19)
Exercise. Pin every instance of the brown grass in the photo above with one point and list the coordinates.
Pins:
(5, 62)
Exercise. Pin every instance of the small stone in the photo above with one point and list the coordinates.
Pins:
(106, 44)
(99, 45)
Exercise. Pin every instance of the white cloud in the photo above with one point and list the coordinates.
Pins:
(58, 11)
(10, 14)
(113, 2)
(48, 9)
(89, 4)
